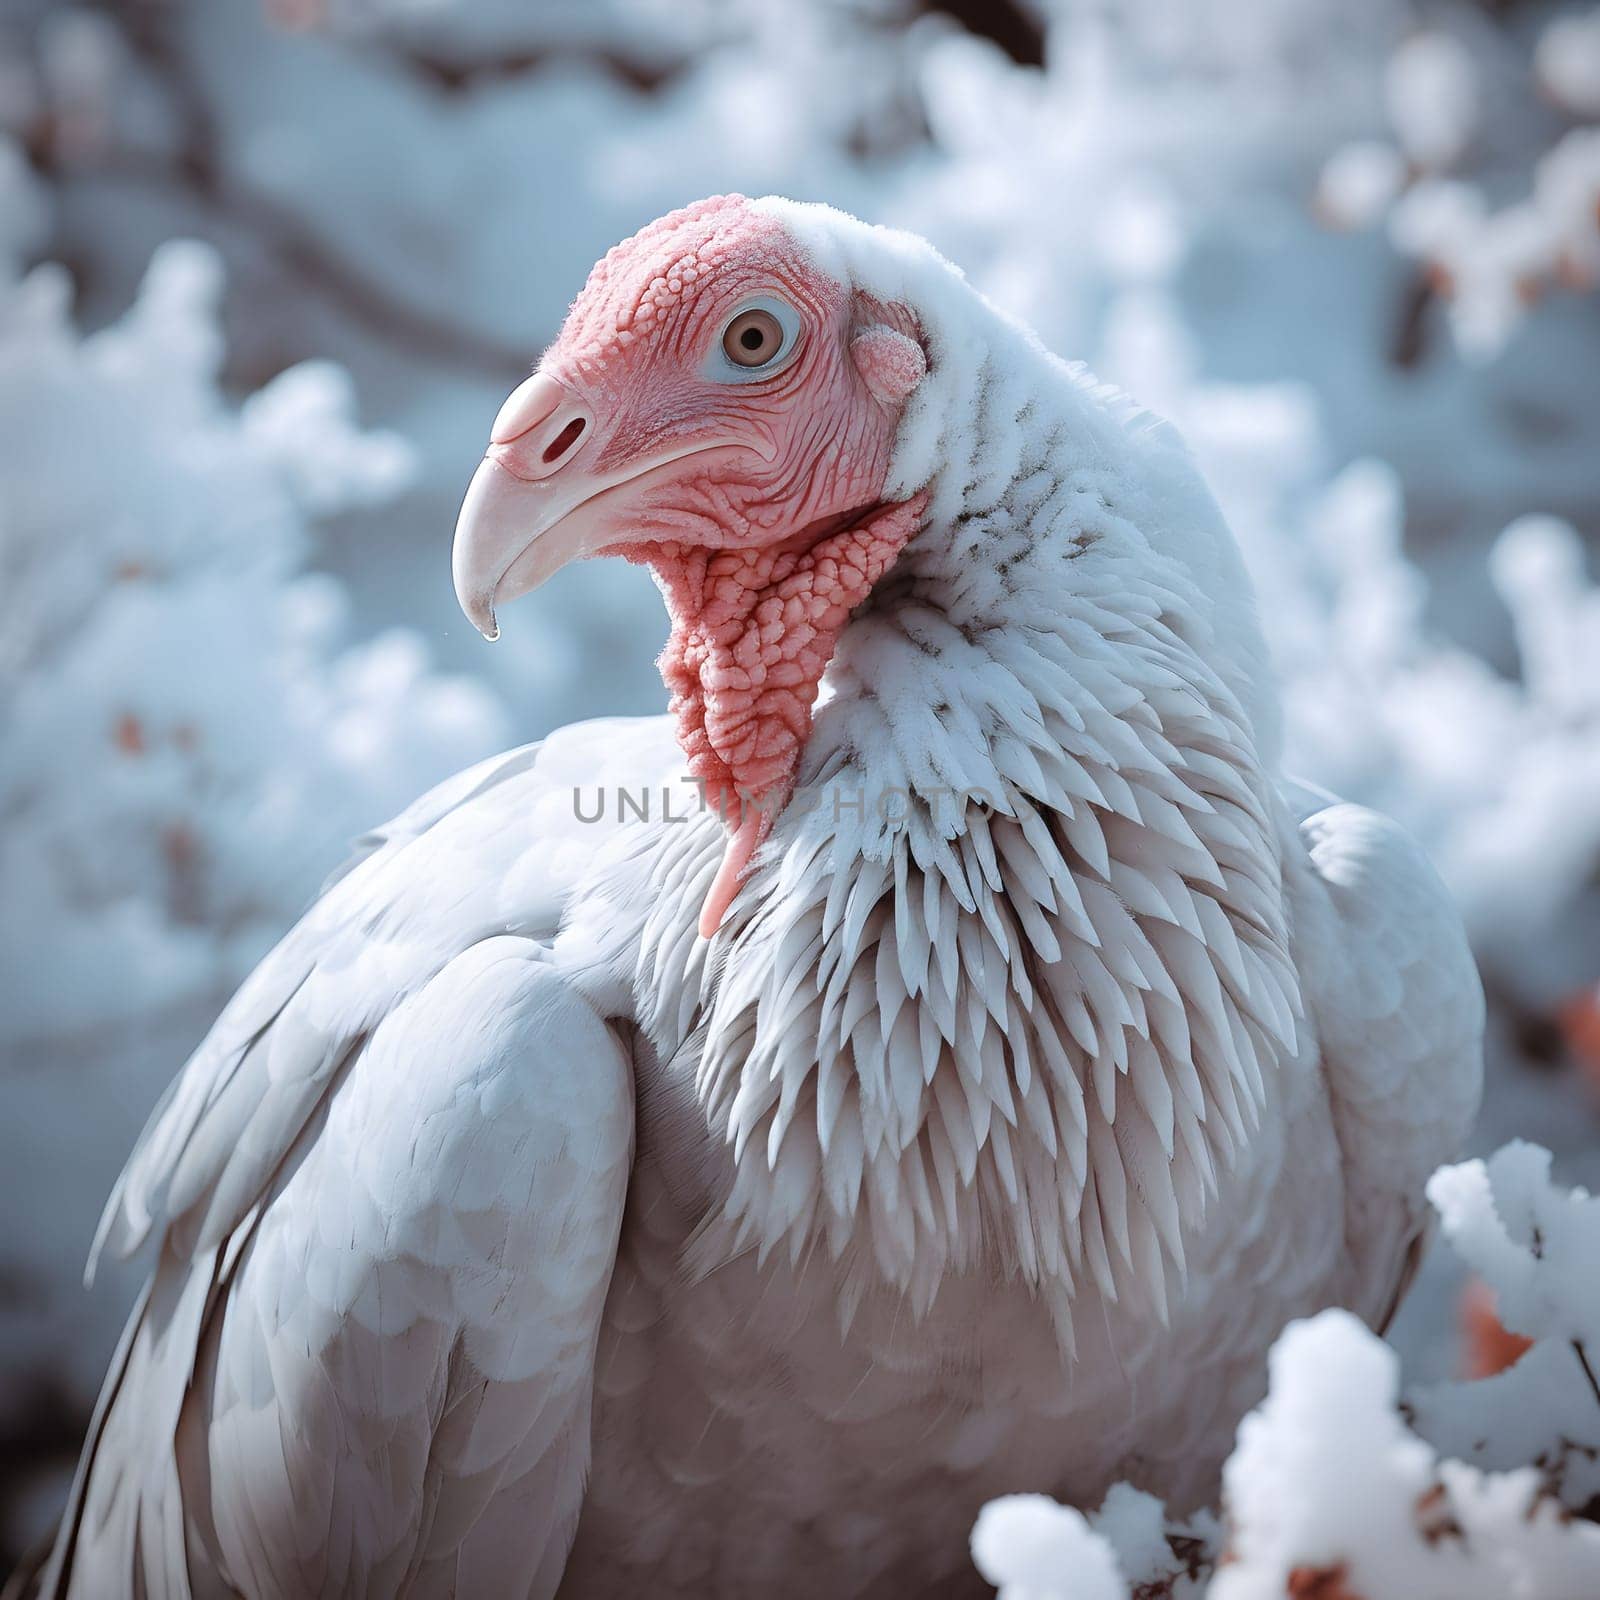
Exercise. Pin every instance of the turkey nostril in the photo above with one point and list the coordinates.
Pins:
(564, 441)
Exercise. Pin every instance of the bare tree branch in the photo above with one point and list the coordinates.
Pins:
(196, 170)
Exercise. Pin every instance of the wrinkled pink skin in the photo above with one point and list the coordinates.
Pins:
(770, 528)
(752, 632)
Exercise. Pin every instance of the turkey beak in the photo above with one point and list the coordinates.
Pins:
(524, 517)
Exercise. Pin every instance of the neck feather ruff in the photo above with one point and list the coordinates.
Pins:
(1011, 977)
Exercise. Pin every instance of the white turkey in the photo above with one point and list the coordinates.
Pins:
(947, 1063)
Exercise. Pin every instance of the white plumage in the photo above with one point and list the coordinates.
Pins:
(985, 1147)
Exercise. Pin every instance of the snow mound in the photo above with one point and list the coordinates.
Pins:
(1338, 1489)
(1024, 1544)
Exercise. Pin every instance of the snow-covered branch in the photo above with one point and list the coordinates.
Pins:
(1338, 1490)
(1436, 182)
(188, 733)
(177, 774)
(74, 118)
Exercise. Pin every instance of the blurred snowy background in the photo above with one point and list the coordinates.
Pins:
(267, 268)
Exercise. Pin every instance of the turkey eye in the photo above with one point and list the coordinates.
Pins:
(757, 340)
(753, 338)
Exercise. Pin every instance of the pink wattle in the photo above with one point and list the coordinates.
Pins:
(753, 631)
(742, 845)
